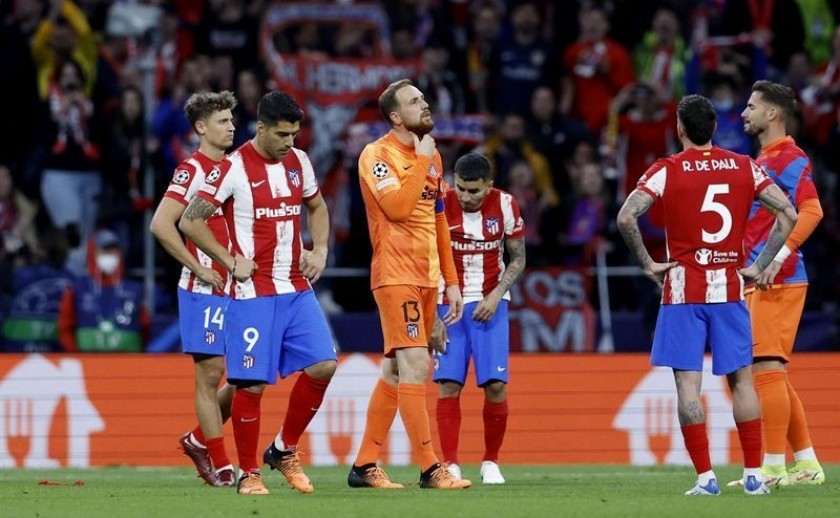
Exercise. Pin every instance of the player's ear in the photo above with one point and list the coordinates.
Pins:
(200, 127)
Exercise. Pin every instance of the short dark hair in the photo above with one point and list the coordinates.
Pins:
(388, 99)
(473, 166)
(780, 96)
(697, 115)
(200, 106)
(276, 106)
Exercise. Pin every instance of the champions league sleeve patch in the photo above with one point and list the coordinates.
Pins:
(181, 177)
(213, 176)
(380, 170)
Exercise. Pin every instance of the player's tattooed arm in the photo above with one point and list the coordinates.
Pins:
(516, 265)
(628, 224)
(199, 208)
(774, 200)
(485, 309)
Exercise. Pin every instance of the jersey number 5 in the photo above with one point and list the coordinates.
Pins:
(710, 205)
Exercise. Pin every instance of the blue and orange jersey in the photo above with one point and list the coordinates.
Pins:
(790, 168)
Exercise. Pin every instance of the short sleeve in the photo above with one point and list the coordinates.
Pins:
(512, 218)
(654, 180)
(220, 181)
(310, 182)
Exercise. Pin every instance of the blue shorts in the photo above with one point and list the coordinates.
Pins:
(683, 330)
(488, 343)
(201, 318)
(280, 333)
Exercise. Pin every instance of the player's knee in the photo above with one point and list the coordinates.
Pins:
(449, 389)
(495, 391)
(323, 370)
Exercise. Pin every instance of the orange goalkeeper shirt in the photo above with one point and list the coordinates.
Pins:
(400, 190)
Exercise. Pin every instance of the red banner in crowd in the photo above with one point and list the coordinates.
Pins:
(550, 311)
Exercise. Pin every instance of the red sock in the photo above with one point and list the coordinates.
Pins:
(697, 444)
(218, 454)
(749, 432)
(495, 424)
(199, 436)
(449, 427)
(306, 397)
(245, 414)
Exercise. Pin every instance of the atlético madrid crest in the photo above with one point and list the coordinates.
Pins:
(412, 330)
(492, 225)
(294, 177)
(210, 336)
(248, 361)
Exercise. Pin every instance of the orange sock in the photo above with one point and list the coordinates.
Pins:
(412, 402)
(797, 434)
(382, 408)
(772, 391)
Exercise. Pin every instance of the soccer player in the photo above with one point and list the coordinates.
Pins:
(273, 322)
(706, 193)
(776, 307)
(400, 177)
(202, 287)
(480, 219)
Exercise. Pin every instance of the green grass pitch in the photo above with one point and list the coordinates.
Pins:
(531, 491)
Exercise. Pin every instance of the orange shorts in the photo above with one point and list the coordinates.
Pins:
(407, 314)
(775, 315)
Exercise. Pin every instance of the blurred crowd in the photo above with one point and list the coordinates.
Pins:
(577, 98)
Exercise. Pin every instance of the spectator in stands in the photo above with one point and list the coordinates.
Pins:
(584, 218)
(64, 35)
(822, 98)
(37, 288)
(102, 311)
(554, 134)
(521, 62)
(440, 85)
(402, 44)
(645, 125)
(123, 201)
(68, 134)
(596, 69)
(661, 56)
(17, 217)
(728, 102)
(249, 91)
(486, 29)
(521, 186)
(775, 26)
(509, 145)
(228, 30)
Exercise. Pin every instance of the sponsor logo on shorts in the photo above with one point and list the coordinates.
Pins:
(248, 361)
(412, 330)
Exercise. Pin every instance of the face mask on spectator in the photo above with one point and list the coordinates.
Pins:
(107, 263)
(723, 105)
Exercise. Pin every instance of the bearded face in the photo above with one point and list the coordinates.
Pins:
(414, 111)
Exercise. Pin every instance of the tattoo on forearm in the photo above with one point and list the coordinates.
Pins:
(516, 264)
(773, 199)
(775, 241)
(628, 224)
(199, 208)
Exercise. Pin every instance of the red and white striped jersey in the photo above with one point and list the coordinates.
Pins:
(188, 178)
(706, 197)
(477, 241)
(262, 201)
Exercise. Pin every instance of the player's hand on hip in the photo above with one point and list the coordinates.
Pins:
(456, 305)
(312, 264)
(439, 337)
(656, 271)
(485, 309)
(765, 279)
(243, 268)
(424, 146)
(210, 276)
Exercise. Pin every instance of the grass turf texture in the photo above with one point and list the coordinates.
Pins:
(531, 491)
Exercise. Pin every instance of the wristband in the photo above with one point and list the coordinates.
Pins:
(783, 254)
